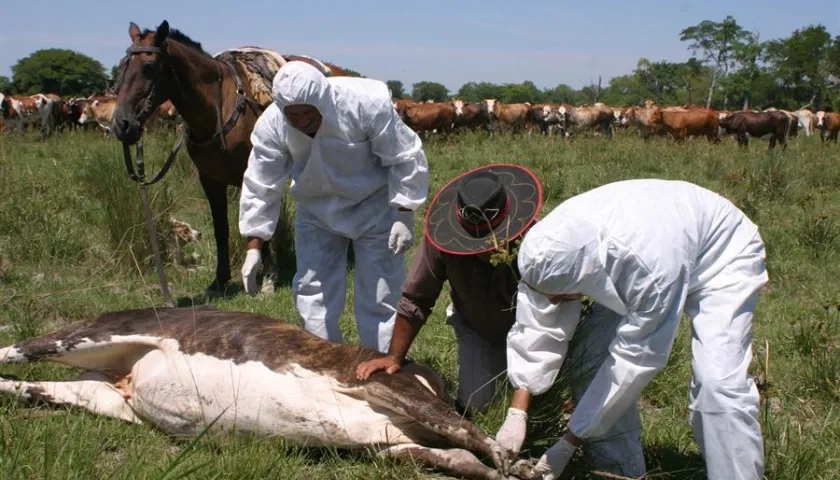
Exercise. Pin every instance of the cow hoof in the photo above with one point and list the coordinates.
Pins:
(523, 469)
(267, 289)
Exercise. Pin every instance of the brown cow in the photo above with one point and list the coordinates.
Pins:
(682, 123)
(428, 117)
(515, 116)
(400, 104)
(793, 121)
(829, 125)
(745, 124)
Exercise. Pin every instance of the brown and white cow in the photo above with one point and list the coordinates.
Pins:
(469, 115)
(587, 117)
(745, 124)
(829, 125)
(21, 110)
(504, 116)
(546, 117)
(99, 110)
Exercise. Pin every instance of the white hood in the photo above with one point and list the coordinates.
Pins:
(570, 256)
(299, 83)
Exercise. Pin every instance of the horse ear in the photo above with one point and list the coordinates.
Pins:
(162, 32)
(133, 31)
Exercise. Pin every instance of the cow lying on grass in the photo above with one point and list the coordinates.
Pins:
(182, 369)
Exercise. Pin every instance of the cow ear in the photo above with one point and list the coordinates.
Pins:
(133, 31)
(162, 32)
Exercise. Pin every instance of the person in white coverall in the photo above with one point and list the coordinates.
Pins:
(358, 174)
(644, 250)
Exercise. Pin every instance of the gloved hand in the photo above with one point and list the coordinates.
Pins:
(512, 434)
(249, 270)
(554, 460)
(402, 232)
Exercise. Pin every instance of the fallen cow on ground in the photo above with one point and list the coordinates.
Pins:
(181, 369)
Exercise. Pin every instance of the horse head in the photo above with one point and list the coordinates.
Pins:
(143, 82)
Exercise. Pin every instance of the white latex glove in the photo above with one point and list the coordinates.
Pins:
(554, 460)
(512, 434)
(402, 232)
(249, 270)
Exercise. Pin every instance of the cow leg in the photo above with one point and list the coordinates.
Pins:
(455, 461)
(217, 197)
(405, 395)
(96, 396)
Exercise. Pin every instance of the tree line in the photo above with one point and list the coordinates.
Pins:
(729, 68)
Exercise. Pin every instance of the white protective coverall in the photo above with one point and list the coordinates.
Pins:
(347, 182)
(649, 250)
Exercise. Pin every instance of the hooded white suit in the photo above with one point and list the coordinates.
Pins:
(347, 182)
(647, 250)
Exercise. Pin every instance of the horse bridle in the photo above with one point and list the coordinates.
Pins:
(152, 100)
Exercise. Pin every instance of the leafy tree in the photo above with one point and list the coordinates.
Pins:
(716, 41)
(562, 93)
(5, 84)
(802, 64)
(475, 92)
(60, 71)
(422, 91)
(396, 87)
(520, 93)
(115, 70)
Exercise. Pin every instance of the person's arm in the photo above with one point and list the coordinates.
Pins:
(400, 150)
(539, 339)
(264, 182)
(536, 347)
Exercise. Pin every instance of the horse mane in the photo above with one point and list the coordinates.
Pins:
(179, 37)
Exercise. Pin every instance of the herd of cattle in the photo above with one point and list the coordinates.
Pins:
(52, 113)
(678, 122)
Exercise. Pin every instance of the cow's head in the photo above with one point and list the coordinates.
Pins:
(459, 107)
(820, 118)
(618, 114)
(489, 105)
(142, 82)
(5, 105)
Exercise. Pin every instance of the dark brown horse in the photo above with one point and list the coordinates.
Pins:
(215, 96)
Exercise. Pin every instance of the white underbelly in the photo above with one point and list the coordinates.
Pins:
(184, 394)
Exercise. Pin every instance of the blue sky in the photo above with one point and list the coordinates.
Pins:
(451, 42)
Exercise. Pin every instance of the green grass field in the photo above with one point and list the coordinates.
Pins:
(73, 245)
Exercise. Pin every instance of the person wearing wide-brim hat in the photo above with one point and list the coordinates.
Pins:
(473, 214)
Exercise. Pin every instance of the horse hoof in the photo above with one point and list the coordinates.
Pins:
(215, 290)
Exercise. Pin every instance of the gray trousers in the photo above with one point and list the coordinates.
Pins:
(481, 366)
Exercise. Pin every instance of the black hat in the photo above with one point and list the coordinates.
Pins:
(501, 200)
